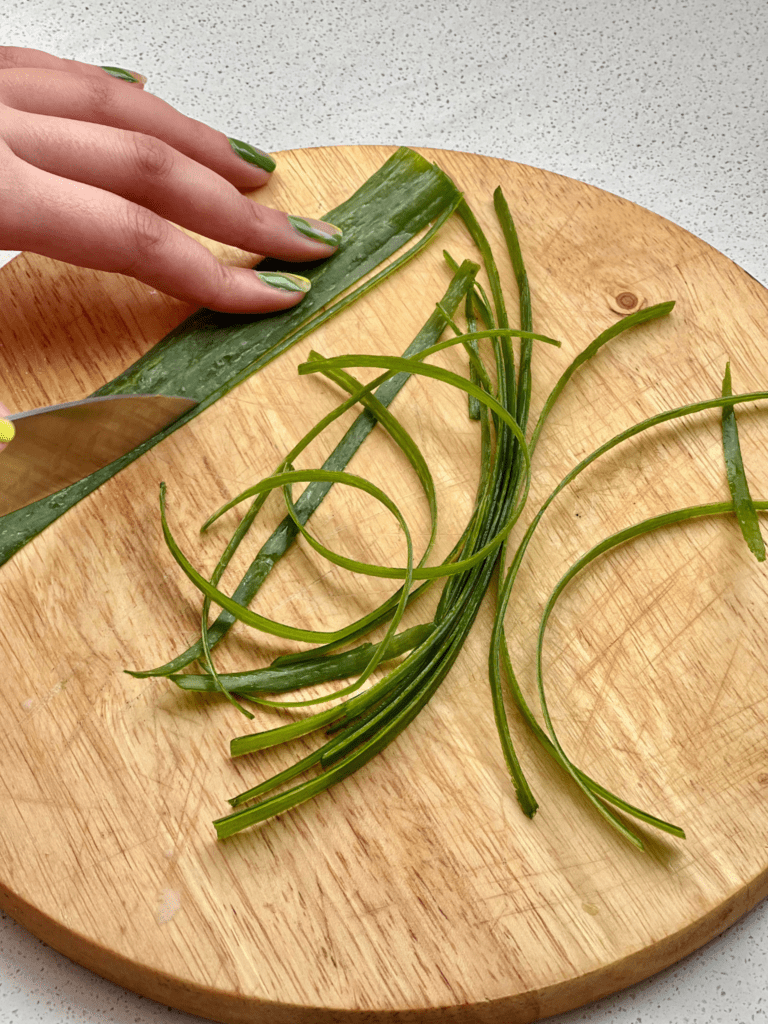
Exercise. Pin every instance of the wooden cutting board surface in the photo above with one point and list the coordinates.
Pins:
(416, 891)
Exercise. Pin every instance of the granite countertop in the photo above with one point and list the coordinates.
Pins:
(662, 103)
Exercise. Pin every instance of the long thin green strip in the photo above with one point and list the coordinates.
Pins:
(507, 376)
(640, 317)
(283, 536)
(358, 393)
(498, 647)
(261, 622)
(625, 435)
(396, 363)
(381, 651)
(453, 628)
(622, 537)
(284, 678)
(523, 792)
(524, 297)
(210, 353)
(474, 406)
(737, 478)
(479, 298)
(498, 642)
(499, 638)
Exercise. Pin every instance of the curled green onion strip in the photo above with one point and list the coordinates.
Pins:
(499, 647)
(283, 536)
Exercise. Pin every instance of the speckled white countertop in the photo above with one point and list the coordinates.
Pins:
(664, 103)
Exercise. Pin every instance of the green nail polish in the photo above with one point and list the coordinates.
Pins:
(254, 156)
(122, 74)
(286, 282)
(7, 431)
(328, 233)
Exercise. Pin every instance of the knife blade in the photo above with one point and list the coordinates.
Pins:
(60, 444)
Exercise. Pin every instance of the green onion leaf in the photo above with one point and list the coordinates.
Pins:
(737, 479)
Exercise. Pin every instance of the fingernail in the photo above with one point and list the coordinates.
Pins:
(286, 282)
(7, 431)
(317, 230)
(125, 76)
(254, 156)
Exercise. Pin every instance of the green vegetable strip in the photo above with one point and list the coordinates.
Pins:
(507, 376)
(637, 428)
(301, 657)
(451, 632)
(359, 393)
(737, 479)
(544, 739)
(283, 678)
(283, 536)
(232, 823)
(379, 652)
(479, 298)
(261, 622)
(499, 639)
(210, 353)
(473, 406)
(622, 537)
(437, 373)
(525, 796)
(640, 317)
(524, 294)
(275, 781)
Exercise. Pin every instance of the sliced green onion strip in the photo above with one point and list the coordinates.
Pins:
(244, 614)
(640, 317)
(524, 296)
(621, 537)
(282, 678)
(398, 364)
(737, 478)
(499, 643)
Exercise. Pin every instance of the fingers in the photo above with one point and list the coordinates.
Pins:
(89, 227)
(105, 100)
(152, 174)
(15, 57)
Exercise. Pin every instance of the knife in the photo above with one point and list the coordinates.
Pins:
(59, 445)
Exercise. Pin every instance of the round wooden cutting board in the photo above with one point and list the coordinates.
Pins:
(415, 891)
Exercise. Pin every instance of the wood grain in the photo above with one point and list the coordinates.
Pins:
(416, 891)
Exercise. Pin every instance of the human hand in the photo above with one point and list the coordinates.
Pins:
(92, 169)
